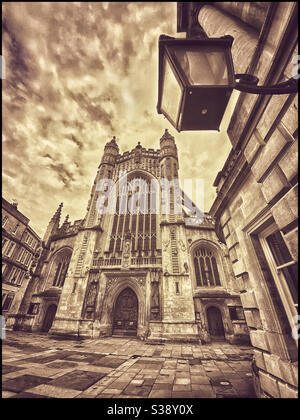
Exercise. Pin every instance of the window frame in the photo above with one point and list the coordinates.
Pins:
(210, 253)
(11, 250)
(16, 228)
(278, 276)
(4, 220)
(10, 296)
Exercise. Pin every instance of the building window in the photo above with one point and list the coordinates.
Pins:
(3, 267)
(4, 243)
(7, 301)
(206, 269)
(4, 220)
(28, 258)
(13, 275)
(62, 264)
(33, 308)
(236, 313)
(177, 287)
(9, 249)
(24, 256)
(139, 221)
(283, 268)
(16, 228)
(21, 252)
(20, 277)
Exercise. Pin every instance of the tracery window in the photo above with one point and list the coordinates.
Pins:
(206, 269)
(61, 264)
(133, 216)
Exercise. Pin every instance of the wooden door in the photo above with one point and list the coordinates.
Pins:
(126, 313)
(215, 323)
(49, 318)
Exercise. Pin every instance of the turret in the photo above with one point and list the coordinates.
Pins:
(111, 150)
(53, 225)
(168, 156)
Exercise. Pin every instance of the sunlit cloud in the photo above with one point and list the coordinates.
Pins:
(77, 74)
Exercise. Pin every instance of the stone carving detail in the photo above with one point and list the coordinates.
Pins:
(91, 298)
(182, 246)
(155, 305)
(92, 294)
(113, 280)
(126, 253)
(166, 244)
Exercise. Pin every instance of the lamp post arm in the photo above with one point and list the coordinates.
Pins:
(248, 83)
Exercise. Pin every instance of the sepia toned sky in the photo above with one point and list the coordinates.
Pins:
(77, 74)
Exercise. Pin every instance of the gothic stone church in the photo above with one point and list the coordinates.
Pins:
(157, 275)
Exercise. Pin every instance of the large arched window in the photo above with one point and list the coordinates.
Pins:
(60, 267)
(206, 269)
(133, 215)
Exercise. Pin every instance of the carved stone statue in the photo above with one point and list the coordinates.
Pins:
(126, 253)
(155, 306)
(92, 294)
(155, 295)
(186, 267)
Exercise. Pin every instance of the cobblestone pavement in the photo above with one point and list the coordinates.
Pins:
(43, 366)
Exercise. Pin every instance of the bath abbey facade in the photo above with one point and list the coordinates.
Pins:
(140, 263)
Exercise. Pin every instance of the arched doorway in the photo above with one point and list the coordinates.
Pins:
(126, 313)
(49, 317)
(215, 323)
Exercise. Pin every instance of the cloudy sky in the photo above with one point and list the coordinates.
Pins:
(77, 74)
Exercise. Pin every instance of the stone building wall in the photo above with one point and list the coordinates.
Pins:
(20, 246)
(161, 277)
(257, 187)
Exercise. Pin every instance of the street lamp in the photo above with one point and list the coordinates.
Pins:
(196, 80)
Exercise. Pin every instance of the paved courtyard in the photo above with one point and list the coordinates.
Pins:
(43, 366)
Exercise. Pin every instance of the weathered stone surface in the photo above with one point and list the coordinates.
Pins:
(255, 143)
(290, 118)
(259, 359)
(269, 384)
(272, 364)
(239, 267)
(232, 240)
(289, 162)
(287, 374)
(287, 391)
(273, 108)
(268, 154)
(249, 300)
(253, 318)
(285, 211)
(291, 239)
(274, 183)
(259, 339)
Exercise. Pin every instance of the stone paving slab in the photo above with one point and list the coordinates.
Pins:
(43, 366)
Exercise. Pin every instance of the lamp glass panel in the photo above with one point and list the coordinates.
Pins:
(205, 65)
(171, 93)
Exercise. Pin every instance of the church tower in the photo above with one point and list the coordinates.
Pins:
(129, 250)
(134, 265)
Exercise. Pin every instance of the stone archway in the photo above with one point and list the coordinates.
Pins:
(114, 287)
(215, 323)
(125, 318)
(49, 318)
